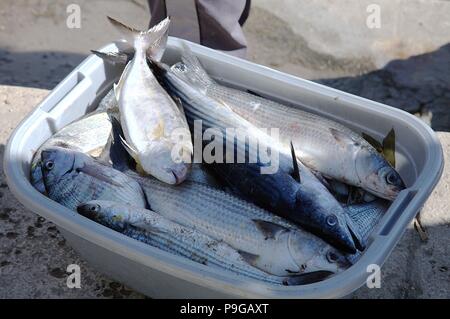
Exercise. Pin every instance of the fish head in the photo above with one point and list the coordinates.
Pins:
(55, 163)
(105, 213)
(327, 217)
(167, 164)
(377, 175)
(312, 254)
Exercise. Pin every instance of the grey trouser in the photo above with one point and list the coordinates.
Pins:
(214, 23)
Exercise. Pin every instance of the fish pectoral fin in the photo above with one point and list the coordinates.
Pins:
(133, 153)
(249, 258)
(307, 278)
(113, 57)
(96, 172)
(144, 225)
(118, 87)
(358, 239)
(269, 229)
(116, 153)
(342, 138)
(321, 178)
(224, 104)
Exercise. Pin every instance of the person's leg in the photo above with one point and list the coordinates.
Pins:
(216, 24)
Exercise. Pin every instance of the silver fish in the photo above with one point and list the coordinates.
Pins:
(153, 229)
(88, 135)
(302, 198)
(152, 122)
(322, 144)
(367, 215)
(267, 241)
(109, 104)
(72, 178)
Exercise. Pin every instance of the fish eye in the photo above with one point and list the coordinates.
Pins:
(94, 208)
(332, 257)
(391, 178)
(49, 165)
(332, 220)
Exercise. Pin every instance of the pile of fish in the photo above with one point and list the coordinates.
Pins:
(129, 166)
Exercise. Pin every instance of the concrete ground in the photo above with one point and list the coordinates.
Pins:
(404, 64)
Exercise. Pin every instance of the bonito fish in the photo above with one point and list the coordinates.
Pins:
(153, 229)
(152, 122)
(265, 240)
(72, 178)
(322, 144)
(300, 198)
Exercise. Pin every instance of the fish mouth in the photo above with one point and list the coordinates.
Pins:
(179, 173)
(179, 176)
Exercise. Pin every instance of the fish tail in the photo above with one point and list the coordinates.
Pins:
(153, 41)
(191, 70)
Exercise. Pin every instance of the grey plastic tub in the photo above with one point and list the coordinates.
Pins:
(160, 274)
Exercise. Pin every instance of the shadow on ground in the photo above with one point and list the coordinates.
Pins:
(419, 85)
(42, 70)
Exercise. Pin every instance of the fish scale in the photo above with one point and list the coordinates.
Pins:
(72, 186)
(315, 138)
(300, 198)
(158, 231)
(228, 218)
(200, 252)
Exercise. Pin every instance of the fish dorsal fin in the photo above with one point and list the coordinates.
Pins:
(389, 147)
(113, 57)
(118, 87)
(249, 258)
(269, 229)
(372, 141)
(296, 173)
(195, 68)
